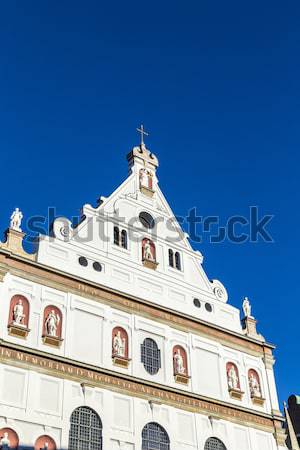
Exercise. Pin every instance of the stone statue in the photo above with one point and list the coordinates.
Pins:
(254, 386)
(5, 442)
(18, 313)
(146, 178)
(232, 378)
(16, 219)
(179, 363)
(148, 252)
(246, 307)
(119, 345)
(51, 323)
(46, 446)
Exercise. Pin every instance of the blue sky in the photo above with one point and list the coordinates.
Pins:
(217, 86)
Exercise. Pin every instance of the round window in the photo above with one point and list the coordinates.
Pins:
(83, 261)
(146, 220)
(97, 266)
(208, 307)
(197, 303)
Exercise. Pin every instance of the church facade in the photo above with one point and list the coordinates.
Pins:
(113, 337)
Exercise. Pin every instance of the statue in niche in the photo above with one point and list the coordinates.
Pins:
(18, 313)
(146, 178)
(232, 378)
(5, 442)
(254, 385)
(246, 307)
(119, 345)
(46, 445)
(16, 219)
(148, 251)
(51, 323)
(179, 363)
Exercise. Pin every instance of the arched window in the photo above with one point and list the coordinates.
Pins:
(214, 443)
(155, 437)
(116, 236)
(171, 258)
(177, 261)
(85, 430)
(150, 356)
(124, 238)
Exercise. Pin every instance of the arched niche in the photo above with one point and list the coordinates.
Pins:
(180, 365)
(233, 381)
(18, 317)
(52, 326)
(149, 254)
(8, 439)
(120, 347)
(45, 442)
(255, 387)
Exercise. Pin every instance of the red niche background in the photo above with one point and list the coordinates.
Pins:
(56, 310)
(40, 443)
(255, 374)
(228, 367)
(152, 248)
(184, 357)
(14, 300)
(12, 436)
(123, 335)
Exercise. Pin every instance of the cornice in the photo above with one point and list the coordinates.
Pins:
(65, 368)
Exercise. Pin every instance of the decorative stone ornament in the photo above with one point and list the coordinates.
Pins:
(149, 254)
(9, 439)
(219, 291)
(180, 365)
(255, 388)
(120, 347)
(62, 229)
(146, 182)
(52, 326)
(18, 317)
(16, 220)
(233, 381)
(249, 322)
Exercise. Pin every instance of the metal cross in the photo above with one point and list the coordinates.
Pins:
(143, 133)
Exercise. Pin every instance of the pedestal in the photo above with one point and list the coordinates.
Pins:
(150, 264)
(257, 400)
(53, 341)
(249, 327)
(181, 378)
(121, 361)
(18, 331)
(146, 191)
(237, 394)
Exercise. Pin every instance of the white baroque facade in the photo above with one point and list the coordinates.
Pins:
(113, 337)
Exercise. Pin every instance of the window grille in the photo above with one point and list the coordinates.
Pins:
(171, 258)
(154, 437)
(177, 261)
(150, 356)
(214, 444)
(85, 430)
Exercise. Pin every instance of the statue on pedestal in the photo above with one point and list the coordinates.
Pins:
(179, 363)
(16, 219)
(119, 345)
(51, 323)
(148, 251)
(254, 386)
(5, 442)
(232, 378)
(18, 313)
(247, 307)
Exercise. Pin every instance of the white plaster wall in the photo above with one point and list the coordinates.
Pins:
(87, 329)
(46, 404)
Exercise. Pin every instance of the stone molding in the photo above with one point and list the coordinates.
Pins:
(95, 377)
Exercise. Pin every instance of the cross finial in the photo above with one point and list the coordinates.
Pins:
(143, 133)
